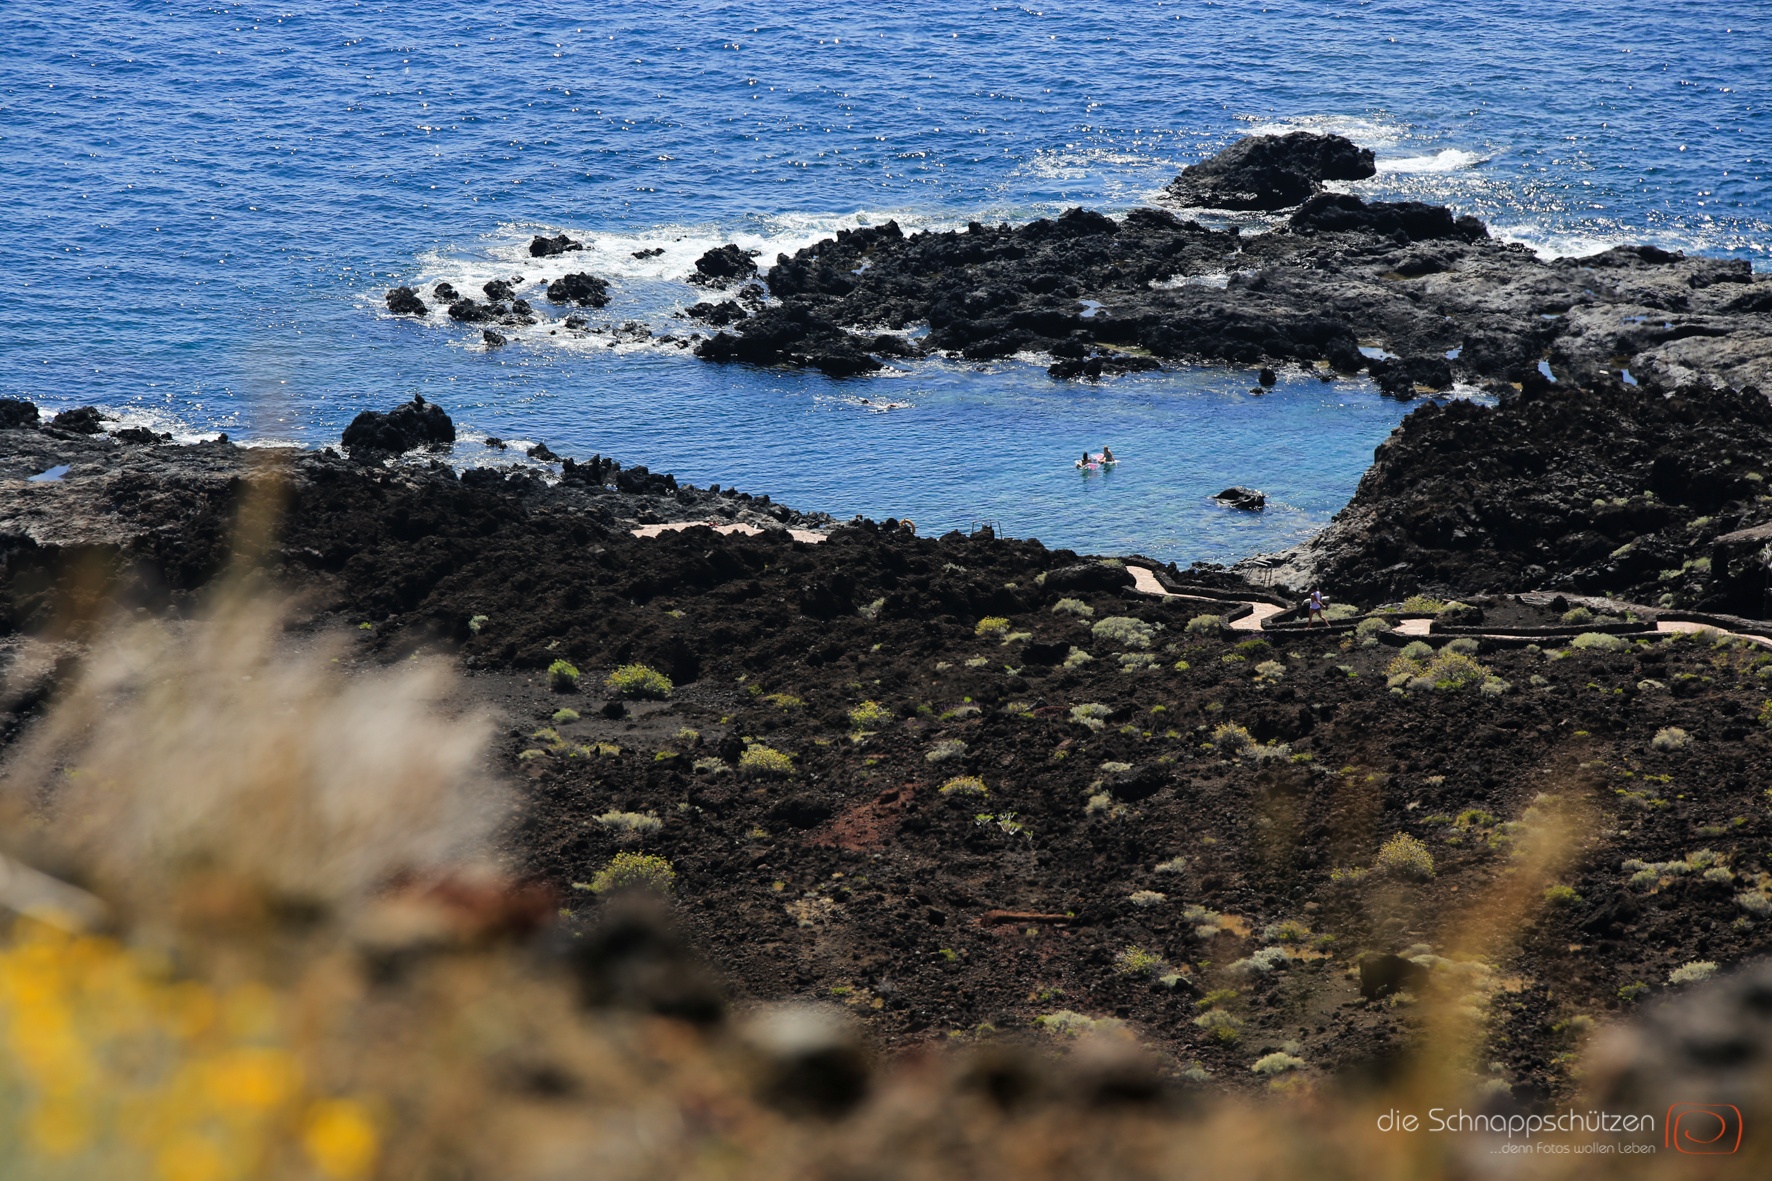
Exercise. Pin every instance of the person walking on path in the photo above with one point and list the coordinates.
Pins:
(1315, 608)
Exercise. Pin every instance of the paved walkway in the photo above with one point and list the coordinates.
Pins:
(810, 536)
(1145, 580)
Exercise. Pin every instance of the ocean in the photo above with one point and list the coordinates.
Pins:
(205, 203)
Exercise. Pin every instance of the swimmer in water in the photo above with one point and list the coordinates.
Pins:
(1107, 454)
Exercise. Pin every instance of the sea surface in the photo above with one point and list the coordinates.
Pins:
(205, 203)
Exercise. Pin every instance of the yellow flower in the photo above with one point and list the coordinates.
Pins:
(340, 1139)
(253, 1079)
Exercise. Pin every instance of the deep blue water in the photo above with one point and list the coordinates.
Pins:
(204, 204)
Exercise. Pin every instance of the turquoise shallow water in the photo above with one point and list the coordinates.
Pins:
(205, 203)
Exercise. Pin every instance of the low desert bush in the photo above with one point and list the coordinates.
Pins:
(1144, 899)
(1600, 642)
(562, 677)
(945, 750)
(764, 762)
(639, 681)
(1091, 714)
(1692, 972)
(1075, 607)
(964, 785)
(1206, 625)
(635, 871)
(1228, 738)
(991, 625)
(1279, 1062)
(1125, 631)
(1404, 856)
(638, 823)
(1670, 739)
(869, 715)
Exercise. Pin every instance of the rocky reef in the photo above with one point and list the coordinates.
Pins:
(1418, 296)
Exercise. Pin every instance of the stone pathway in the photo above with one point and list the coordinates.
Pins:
(1145, 581)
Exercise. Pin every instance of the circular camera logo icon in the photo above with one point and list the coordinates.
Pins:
(1703, 1129)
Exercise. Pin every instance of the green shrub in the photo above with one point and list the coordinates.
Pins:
(1075, 607)
(1077, 658)
(1671, 739)
(1270, 670)
(1173, 865)
(1561, 896)
(1091, 714)
(1423, 605)
(562, 716)
(1337, 612)
(1231, 739)
(1125, 631)
(1578, 615)
(1206, 625)
(1279, 1062)
(1143, 899)
(1417, 650)
(1405, 857)
(943, 751)
(964, 785)
(1067, 1023)
(869, 715)
(1631, 992)
(784, 701)
(991, 625)
(1600, 642)
(634, 822)
(478, 622)
(1371, 627)
(635, 871)
(1136, 961)
(639, 681)
(1221, 1025)
(562, 677)
(764, 762)
(1692, 972)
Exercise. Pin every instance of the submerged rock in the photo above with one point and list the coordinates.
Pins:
(1271, 171)
(413, 424)
(1248, 499)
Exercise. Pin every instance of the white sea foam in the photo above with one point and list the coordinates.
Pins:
(1445, 160)
(1368, 131)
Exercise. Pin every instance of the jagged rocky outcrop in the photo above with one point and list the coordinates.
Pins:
(1649, 496)
(408, 426)
(1421, 297)
(1271, 171)
(723, 266)
(581, 288)
(543, 246)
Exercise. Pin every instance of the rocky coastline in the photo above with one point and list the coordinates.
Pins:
(976, 790)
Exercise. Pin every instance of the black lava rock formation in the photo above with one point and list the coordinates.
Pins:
(413, 424)
(585, 290)
(1271, 171)
(1650, 496)
(546, 247)
(404, 301)
(15, 413)
(723, 266)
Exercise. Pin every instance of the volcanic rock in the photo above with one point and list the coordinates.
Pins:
(15, 414)
(1271, 171)
(585, 290)
(404, 301)
(85, 420)
(494, 340)
(497, 291)
(722, 266)
(412, 424)
(1249, 499)
(446, 292)
(545, 247)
